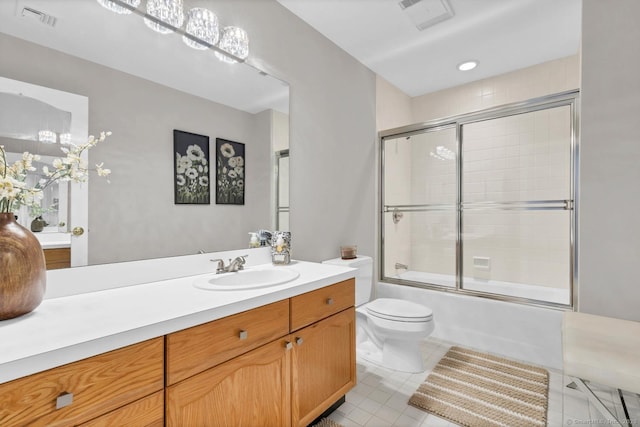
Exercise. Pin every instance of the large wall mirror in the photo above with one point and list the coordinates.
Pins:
(141, 86)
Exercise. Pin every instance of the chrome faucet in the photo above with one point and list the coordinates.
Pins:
(236, 265)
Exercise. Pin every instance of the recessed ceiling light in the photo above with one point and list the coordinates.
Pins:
(467, 65)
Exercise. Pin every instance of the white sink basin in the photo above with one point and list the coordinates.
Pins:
(247, 279)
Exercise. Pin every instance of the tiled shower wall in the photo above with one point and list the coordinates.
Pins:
(523, 157)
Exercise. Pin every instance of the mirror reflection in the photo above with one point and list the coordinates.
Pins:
(142, 86)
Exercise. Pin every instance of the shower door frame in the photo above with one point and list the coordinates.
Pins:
(568, 98)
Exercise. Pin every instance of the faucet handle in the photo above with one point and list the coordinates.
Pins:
(241, 261)
(220, 262)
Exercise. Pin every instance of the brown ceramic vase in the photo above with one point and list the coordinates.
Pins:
(23, 273)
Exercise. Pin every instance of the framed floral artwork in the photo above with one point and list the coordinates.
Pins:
(230, 167)
(191, 167)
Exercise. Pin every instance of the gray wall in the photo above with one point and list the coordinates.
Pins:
(333, 129)
(332, 111)
(610, 153)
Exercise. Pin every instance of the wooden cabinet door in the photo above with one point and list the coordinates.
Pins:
(250, 390)
(323, 365)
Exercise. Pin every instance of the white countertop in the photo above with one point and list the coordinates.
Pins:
(53, 240)
(69, 328)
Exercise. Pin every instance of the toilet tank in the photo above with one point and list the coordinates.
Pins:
(364, 275)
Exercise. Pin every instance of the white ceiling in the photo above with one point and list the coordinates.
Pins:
(503, 35)
(87, 30)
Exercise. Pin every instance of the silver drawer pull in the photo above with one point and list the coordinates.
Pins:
(329, 301)
(288, 345)
(243, 334)
(65, 399)
(299, 340)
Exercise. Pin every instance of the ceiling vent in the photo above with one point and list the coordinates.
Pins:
(426, 13)
(41, 17)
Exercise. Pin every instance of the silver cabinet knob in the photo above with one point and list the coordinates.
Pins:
(299, 340)
(65, 399)
(243, 334)
(288, 345)
(329, 301)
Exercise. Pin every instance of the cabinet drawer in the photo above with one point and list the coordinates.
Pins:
(316, 305)
(99, 385)
(57, 258)
(196, 349)
(146, 412)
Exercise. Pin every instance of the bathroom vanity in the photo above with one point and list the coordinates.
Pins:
(273, 356)
(57, 249)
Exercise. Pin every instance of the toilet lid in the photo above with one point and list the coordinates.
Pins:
(400, 310)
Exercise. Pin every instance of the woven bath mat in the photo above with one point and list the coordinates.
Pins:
(477, 389)
(327, 422)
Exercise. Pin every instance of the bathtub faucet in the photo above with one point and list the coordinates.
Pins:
(401, 266)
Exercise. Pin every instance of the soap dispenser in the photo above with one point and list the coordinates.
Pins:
(281, 247)
(253, 241)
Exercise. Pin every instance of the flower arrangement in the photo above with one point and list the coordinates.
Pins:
(14, 192)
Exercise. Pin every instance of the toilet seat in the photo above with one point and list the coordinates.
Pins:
(399, 310)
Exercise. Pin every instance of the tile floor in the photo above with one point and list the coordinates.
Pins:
(381, 395)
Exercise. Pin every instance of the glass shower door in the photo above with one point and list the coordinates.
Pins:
(419, 218)
(517, 205)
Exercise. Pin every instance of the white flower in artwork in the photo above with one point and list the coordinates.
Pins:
(191, 173)
(194, 152)
(239, 171)
(233, 174)
(233, 162)
(239, 161)
(227, 150)
(240, 183)
(180, 180)
(204, 181)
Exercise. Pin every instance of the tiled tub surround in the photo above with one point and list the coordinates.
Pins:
(96, 309)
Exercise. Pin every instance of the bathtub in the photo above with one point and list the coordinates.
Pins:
(528, 333)
(532, 292)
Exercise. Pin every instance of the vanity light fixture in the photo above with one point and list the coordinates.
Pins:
(467, 65)
(234, 41)
(65, 138)
(47, 137)
(167, 11)
(231, 45)
(203, 24)
(108, 4)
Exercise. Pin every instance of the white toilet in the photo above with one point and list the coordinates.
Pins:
(388, 330)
